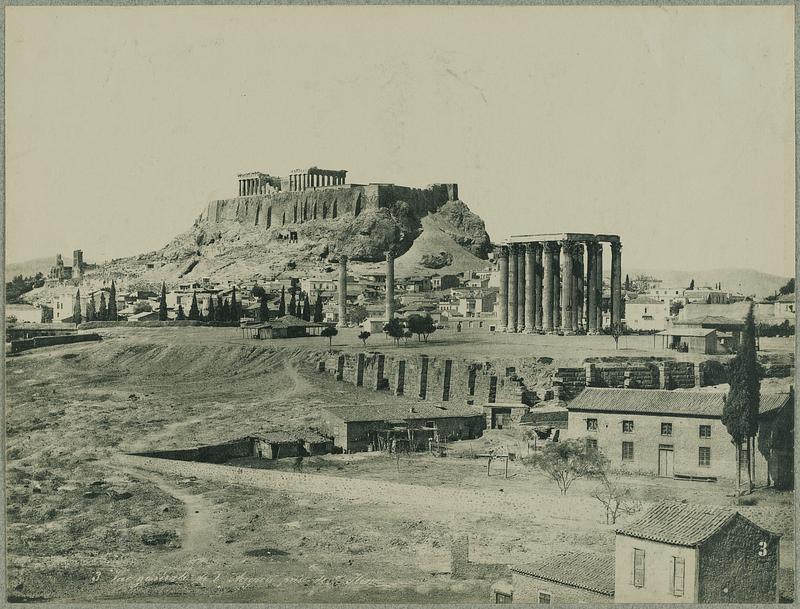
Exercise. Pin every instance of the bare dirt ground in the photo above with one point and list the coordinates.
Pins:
(87, 525)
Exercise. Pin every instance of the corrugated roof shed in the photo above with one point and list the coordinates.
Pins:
(594, 572)
(664, 401)
(392, 412)
(681, 524)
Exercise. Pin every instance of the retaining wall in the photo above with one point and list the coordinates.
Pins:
(46, 341)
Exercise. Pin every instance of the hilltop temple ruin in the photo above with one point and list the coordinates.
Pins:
(554, 282)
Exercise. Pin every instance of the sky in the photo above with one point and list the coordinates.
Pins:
(672, 127)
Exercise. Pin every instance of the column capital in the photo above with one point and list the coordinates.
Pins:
(502, 251)
(616, 246)
(579, 248)
(566, 246)
(530, 247)
(389, 254)
(549, 246)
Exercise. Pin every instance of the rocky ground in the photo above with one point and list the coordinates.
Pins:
(85, 525)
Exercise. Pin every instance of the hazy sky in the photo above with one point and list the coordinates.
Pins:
(672, 127)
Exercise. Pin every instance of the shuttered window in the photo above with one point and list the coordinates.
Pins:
(638, 568)
(678, 569)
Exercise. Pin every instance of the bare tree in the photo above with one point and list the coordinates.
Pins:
(615, 497)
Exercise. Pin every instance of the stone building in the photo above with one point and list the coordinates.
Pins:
(663, 432)
(553, 283)
(571, 577)
(679, 553)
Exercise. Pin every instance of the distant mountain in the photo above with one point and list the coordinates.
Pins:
(29, 268)
(746, 281)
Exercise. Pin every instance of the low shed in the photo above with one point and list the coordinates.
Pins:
(379, 426)
(571, 577)
(693, 340)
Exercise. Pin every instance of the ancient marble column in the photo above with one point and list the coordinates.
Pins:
(530, 287)
(342, 291)
(502, 255)
(520, 287)
(557, 277)
(616, 284)
(567, 286)
(389, 285)
(547, 287)
(580, 325)
(538, 286)
(512, 288)
(591, 287)
(599, 285)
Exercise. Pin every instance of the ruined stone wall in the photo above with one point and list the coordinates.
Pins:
(295, 207)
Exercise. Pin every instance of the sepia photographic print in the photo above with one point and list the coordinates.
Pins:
(399, 304)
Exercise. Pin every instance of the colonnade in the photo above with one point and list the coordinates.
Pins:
(253, 186)
(556, 286)
(315, 178)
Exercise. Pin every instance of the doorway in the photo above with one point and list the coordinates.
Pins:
(666, 460)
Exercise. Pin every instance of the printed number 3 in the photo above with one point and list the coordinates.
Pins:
(762, 548)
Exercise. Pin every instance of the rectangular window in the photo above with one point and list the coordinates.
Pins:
(591, 443)
(704, 456)
(666, 429)
(545, 598)
(500, 598)
(627, 451)
(627, 427)
(705, 431)
(591, 424)
(638, 568)
(678, 568)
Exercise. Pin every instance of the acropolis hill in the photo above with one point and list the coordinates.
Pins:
(311, 217)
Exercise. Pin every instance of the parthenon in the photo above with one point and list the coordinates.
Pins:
(301, 179)
(552, 283)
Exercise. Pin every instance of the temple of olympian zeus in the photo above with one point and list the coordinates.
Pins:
(553, 283)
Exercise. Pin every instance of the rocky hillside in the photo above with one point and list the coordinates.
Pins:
(449, 239)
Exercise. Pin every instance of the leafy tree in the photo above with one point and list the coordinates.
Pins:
(407, 334)
(102, 311)
(140, 306)
(112, 314)
(282, 303)
(421, 325)
(329, 332)
(306, 308)
(235, 314)
(675, 307)
(363, 336)
(263, 308)
(162, 304)
(20, 285)
(356, 314)
(394, 328)
(91, 315)
(318, 313)
(258, 292)
(180, 316)
(616, 332)
(616, 497)
(788, 288)
(194, 310)
(76, 308)
(740, 412)
(568, 460)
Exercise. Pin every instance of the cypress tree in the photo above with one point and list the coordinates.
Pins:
(219, 311)
(162, 304)
(740, 413)
(306, 309)
(212, 315)
(282, 303)
(102, 312)
(263, 308)
(318, 314)
(111, 314)
(194, 311)
(226, 310)
(76, 308)
(181, 315)
(292, 306)
(91, 315)
(235, 313)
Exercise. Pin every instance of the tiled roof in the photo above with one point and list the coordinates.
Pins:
(690, 331)
(718, 320)
(645, 300)
(398, 412)
(681, 524)
(663, 401)
(585, 570)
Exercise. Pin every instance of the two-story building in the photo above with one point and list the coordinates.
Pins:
(670, 433)
(646, 314)
(683, 553)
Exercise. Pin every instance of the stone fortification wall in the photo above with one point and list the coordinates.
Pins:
(294, 207)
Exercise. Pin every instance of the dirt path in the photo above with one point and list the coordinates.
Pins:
(299, 386)
(200, 532)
